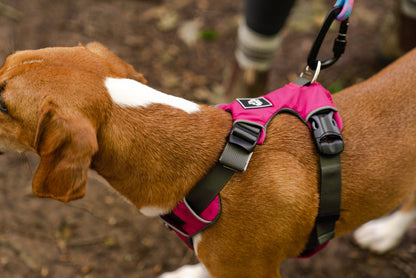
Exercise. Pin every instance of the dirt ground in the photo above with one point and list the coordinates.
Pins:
(183, 47)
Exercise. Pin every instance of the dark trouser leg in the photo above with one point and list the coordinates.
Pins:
(267, 17)
(258, 35)
(258, 39)
(407, 31)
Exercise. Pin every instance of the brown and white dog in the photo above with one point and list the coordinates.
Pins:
(83, 107)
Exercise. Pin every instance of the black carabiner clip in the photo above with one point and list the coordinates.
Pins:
(339, 43)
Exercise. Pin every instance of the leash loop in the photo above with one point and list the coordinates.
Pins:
(339, 43)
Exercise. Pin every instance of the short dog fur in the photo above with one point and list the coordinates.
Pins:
(76, 109)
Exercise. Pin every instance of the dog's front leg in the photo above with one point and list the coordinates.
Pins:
(188, 271)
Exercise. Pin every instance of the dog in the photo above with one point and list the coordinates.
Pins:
(83, 107)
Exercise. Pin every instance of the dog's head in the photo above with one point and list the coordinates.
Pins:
(52, 102)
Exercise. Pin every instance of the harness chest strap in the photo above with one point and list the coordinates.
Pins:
(313, 105)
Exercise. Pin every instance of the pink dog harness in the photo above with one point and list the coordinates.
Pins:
(313, 105)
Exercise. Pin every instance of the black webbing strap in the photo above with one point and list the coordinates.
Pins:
(235, 157)
(329, 143)
(208, 188)
(329, 204)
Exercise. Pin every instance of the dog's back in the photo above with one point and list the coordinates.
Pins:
(379, 161)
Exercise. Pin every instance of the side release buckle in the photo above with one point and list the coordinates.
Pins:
(327, 136)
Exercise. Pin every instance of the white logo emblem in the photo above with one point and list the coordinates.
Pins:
(255, 102)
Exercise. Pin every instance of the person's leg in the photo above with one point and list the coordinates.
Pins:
(266, 17)
(258, 38)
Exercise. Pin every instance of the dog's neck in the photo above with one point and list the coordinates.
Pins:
(153, 155)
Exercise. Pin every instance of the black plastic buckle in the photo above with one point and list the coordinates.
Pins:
(327, 136)
(245, 135)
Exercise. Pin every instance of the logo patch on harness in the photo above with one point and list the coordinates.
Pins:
(253, 103)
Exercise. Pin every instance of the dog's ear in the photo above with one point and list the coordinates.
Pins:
(122, 68)
(66, 147)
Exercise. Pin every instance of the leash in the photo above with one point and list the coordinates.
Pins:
(314, 65)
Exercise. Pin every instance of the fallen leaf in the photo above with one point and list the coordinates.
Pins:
(189, 31)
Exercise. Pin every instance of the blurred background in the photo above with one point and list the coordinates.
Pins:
(185, 48)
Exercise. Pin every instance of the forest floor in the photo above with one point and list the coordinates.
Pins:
(184, 48)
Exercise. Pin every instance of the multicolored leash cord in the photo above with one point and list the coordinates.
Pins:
(346, 9)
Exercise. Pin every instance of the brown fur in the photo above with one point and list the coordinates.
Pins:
(60, 109)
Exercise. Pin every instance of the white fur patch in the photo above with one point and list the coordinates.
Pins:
(381, 235)
(196, 239)
(131, 93)
(152, 211)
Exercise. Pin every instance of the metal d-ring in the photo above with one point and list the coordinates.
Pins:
(308, 71)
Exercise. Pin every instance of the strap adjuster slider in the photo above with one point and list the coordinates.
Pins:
(245, 135)
(239, 148)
